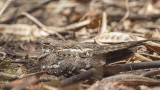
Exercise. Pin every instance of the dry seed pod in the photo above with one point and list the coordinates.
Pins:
(112, 37)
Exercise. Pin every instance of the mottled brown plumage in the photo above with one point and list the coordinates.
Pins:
(70, 58)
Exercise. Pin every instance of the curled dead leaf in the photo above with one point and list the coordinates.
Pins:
(125, 81)
(24, 83)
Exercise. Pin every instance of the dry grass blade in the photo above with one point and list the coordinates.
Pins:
(151, 73)
(127, 11)
(43, 27)
(104, 25)
(5, 6)
(153, 46)
(141, 58)
(32, 9)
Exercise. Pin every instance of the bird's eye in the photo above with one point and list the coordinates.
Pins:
(46, 44)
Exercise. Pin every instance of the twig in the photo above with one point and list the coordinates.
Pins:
(32, 9)
(151, 73)
(141, 57)
(104, 24)
(151, 56)
(79, 77)
(110, 70)
(5, 6)
(71, 26)
(115, 4)
(20, 62)
(36, 21)
(132, 16)
(127, 11)
(76, 25)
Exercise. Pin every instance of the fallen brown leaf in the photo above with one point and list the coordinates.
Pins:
(25, 82)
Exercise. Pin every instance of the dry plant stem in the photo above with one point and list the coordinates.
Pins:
(57, 29)
(32, 9)
(115, 4)
(79, 24)
(110, 70)
(20, 62)
(115, 69)
(141, 58)
(152, 56)
(5, 6)
(79, 77)
(104, 24)
(132, 16)
(36, 21)
(127, 12)
(151, 73)
(72, 26)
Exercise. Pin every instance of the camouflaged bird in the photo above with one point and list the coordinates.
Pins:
(67, 58)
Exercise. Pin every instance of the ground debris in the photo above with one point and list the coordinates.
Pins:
(79, 43)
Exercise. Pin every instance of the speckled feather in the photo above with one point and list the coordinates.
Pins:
(73, 59)
(116, 47)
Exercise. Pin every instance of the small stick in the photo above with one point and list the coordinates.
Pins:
(36, 21)
(5, 6)
(110, 70)
(78, 78)
(20, 62)
(141, 57)
(30, 10)
(44, 28)
(71, 26)
(115, 69)
(104, 24)
(132, 16)
(127, 11)
(150, 73)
